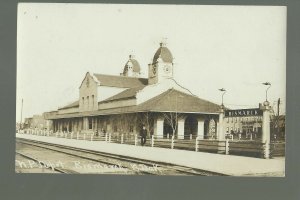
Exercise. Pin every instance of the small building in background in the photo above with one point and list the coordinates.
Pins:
(37, 122)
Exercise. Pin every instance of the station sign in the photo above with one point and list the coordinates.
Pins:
(243, 112)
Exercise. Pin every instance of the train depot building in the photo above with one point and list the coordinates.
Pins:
(121, 104)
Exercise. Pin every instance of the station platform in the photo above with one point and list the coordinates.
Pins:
(218, 163)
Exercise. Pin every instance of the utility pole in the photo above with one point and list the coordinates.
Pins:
(21, 115)
(278, 103)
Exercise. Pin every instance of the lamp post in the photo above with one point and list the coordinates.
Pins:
(221, 135)
(266, 123)
(223, 92)
(267, 84)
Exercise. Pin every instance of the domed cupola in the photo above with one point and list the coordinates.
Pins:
(162, 65)
(132, 67)
(164, 53)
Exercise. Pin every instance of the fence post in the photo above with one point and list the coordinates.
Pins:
(77, 135)
(105, 137)
(71, 135)
(135, 139)
(152, 140)
(191, 136)
(267, 150)
(227, 147)
(109, 138)
(172, 142)
(196, 145)
(250, 136)
(168, 136)
(84, 136)
(122, 138)
(92, 134)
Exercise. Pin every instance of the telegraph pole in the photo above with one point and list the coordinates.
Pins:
(278, 103)
(21, 114)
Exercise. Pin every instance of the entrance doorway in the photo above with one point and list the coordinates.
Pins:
(70, 126)
(190, 127)
(168, 130)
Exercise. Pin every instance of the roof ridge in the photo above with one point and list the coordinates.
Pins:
(192, 95)
(158, 96)
(129, 77)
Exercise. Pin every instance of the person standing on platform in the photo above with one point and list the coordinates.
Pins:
(143, 135)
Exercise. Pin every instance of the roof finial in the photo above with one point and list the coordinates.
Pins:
(163, 42)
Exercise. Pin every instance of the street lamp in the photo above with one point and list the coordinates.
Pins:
(223, 91)
(267, 84)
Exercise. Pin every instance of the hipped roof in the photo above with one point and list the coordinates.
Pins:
(170, 101)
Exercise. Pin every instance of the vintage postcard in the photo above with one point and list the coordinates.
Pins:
(151, 89)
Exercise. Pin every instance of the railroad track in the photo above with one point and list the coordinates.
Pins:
(113, 159)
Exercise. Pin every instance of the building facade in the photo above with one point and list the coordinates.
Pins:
(37, 122)
(121, 104)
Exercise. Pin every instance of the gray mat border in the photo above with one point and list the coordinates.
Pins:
(42, 186)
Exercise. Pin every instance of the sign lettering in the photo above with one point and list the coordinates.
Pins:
(243, 112)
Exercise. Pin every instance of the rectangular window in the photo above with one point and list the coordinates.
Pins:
(88, 102)
(93, 101)
(83, 102)
(90, 123)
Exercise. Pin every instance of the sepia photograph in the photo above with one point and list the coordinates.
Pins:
(133, 89)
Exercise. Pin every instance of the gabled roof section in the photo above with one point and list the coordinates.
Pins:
(127, 94)
(175, 101)
(121, 81)
(71, 105)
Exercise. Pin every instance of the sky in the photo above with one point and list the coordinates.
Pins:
(232, 47)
